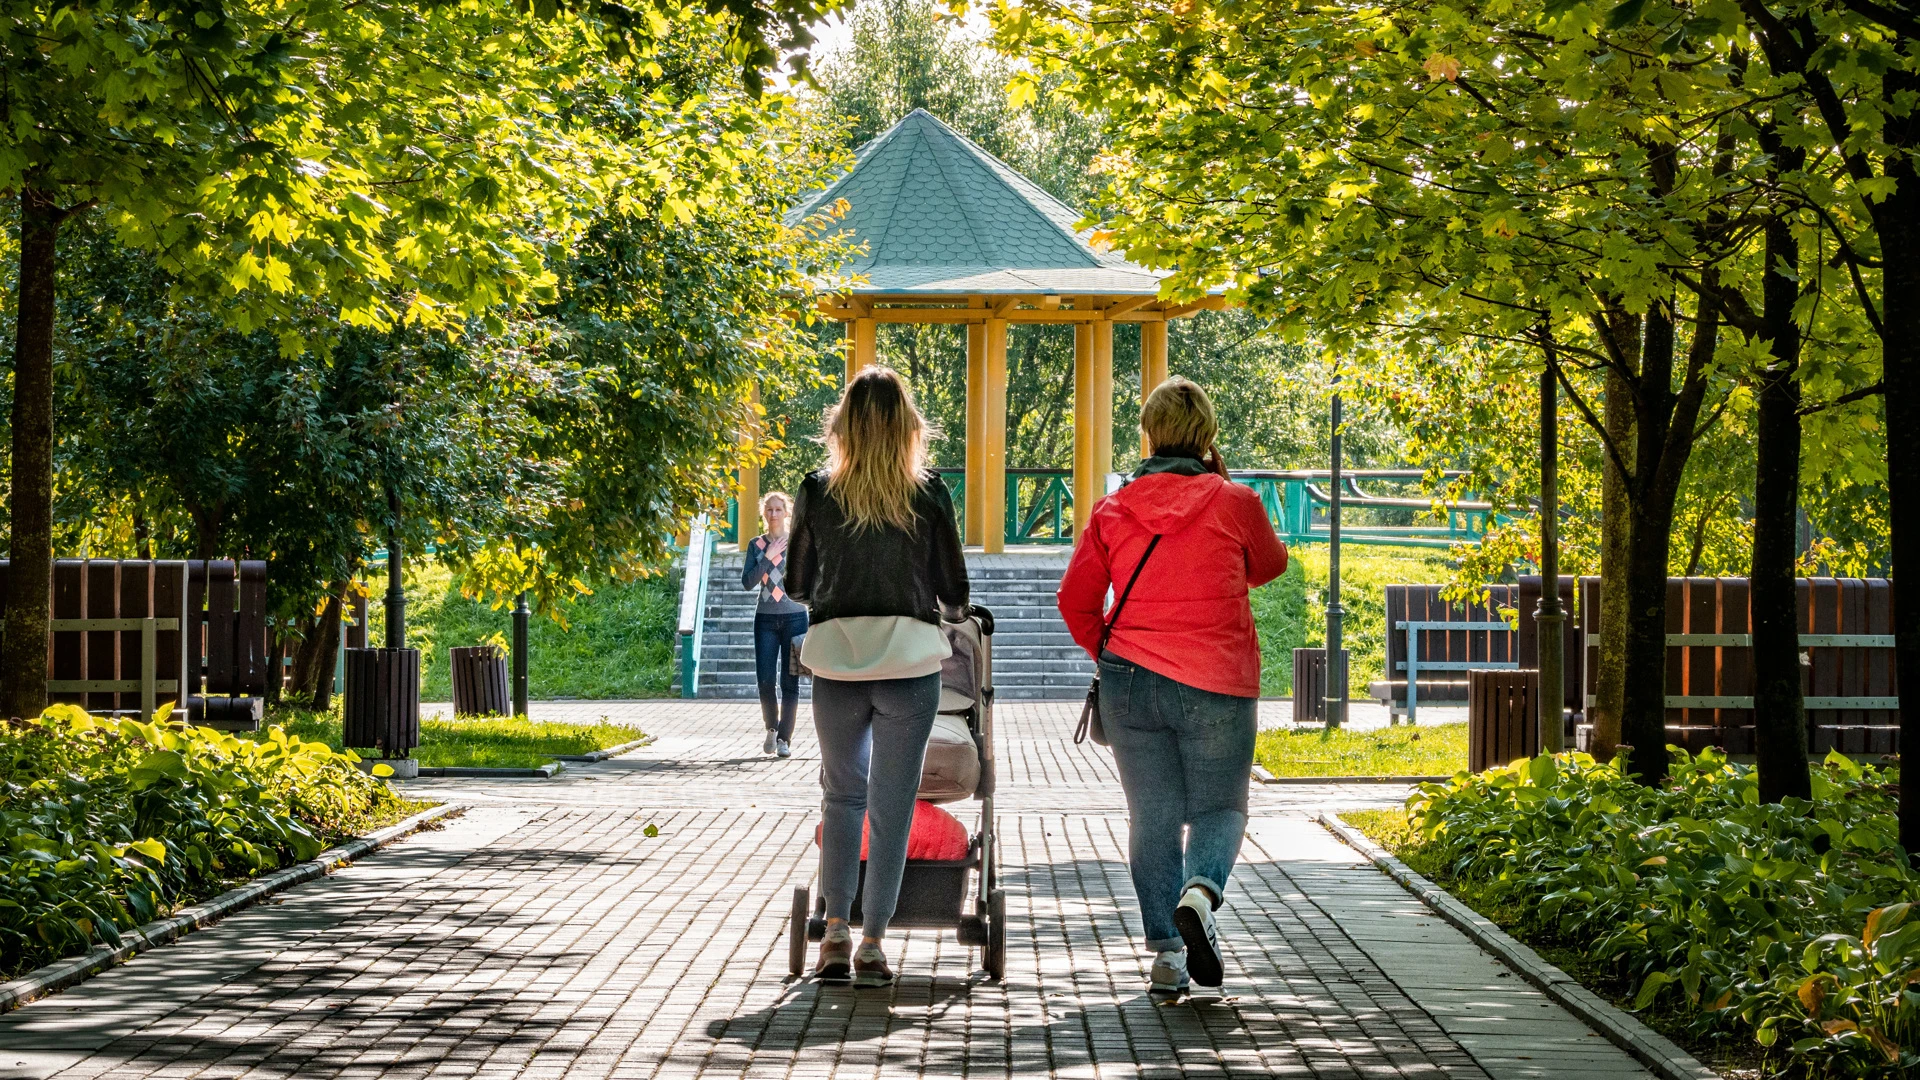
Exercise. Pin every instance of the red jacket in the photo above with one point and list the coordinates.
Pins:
(1189, 618)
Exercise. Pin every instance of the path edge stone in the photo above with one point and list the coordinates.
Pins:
(609, 752)
(480, 772)
(61, 974)
(1645, 1045)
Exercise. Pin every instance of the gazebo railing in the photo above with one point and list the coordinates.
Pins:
(1040, 507)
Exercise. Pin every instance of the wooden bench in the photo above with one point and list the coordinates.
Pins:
(116, 644)
(1432, 643)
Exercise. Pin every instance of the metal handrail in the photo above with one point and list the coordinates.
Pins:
(693, 604)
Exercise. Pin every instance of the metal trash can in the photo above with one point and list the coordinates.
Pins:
(382, 700)
(480, 686)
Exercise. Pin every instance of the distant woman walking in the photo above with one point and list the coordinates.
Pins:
(1180, 672)
(877, 559)
(778, 619)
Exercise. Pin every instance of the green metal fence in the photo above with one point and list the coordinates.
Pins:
(1040, 507)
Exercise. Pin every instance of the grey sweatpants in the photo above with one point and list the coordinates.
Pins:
(873, 740)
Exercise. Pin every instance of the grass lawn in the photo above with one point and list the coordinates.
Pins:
(1432, 750)
(1291, 612)
(617, 641)
(495, 743)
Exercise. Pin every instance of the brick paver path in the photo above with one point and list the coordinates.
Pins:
(545, 934)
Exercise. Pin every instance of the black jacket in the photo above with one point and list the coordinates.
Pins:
(839, 572)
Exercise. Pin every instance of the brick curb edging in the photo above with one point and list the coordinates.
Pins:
(609, 752)
(477, 772)
(64, 973)
(1261, 774)
(1645, 1045)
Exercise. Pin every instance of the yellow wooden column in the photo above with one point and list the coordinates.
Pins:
(1153, 367)
(861, 338)
(748, 492)
(1085, 488)
(993, 440)
(973, 512)
(1102, 405)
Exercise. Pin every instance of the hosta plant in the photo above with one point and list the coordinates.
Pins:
(109, 823)
(1789, 921)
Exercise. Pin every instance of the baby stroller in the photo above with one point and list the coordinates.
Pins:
(960, 765)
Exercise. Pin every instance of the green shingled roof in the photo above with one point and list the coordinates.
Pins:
(940, 215)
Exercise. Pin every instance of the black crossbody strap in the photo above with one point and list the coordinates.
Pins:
(1106, 632)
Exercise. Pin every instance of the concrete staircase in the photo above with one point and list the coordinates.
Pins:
(1034, 658)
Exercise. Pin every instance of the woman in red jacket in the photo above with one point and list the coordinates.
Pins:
(1180, 676)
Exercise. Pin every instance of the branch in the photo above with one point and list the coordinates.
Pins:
(1847, 398)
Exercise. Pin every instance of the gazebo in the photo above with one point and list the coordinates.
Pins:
(953, 235)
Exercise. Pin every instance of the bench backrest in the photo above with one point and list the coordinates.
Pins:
(1423, 603)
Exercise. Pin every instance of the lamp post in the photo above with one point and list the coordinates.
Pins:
(1548, 616)
(1336, 656)
(520, 614)
(396, 595)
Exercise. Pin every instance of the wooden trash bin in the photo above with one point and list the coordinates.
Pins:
(1502, 719)
(1310, 685)
(382, 700)
(480, 681)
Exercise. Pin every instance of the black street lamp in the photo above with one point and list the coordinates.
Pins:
(1336, 656)
(1548, 616)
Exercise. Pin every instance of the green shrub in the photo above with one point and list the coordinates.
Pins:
(1792, 923)
(108, 824)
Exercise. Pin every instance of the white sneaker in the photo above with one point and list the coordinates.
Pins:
(1169, 976)
(772, 737)
(1194, 919)
(781, 748)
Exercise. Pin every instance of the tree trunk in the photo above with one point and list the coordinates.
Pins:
(1779, 711)
(1899, 222)
(1616, 525)
(1664, 429)
(329, 633)
(23, 643)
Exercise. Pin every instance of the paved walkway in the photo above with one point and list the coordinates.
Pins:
(545, 934)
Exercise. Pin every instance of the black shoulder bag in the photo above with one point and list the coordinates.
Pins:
(1090, 712)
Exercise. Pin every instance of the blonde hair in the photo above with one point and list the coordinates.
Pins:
(772, 495)
(876, 450)
(1178, 416)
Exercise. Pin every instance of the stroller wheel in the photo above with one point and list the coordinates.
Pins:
(797, 933)
(997, 934)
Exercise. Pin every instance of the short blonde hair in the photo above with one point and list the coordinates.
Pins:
(772, 495)
(1178, 416)
(876, 450)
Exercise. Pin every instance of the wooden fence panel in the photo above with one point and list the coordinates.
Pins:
(1736, 666)
(68, 660)
(100, 596)
(220, 629)
(196, 628)
(134, 600)
(170, 602)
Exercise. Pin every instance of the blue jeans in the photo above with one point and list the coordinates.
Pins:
(873, 740)
(772, 636)
(1185, 757)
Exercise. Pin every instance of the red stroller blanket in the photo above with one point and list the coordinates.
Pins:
(937, 836)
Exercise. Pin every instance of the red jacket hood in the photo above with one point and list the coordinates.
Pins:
(1166, 502)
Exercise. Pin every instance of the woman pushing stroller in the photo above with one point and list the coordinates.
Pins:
(1179, 669)
(875, 556)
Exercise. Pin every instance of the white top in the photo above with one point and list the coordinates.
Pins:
(868, 648)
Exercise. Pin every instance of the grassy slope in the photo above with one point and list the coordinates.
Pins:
(618, 641)
(1291, 613)
(491, 743)
(1435, 750)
